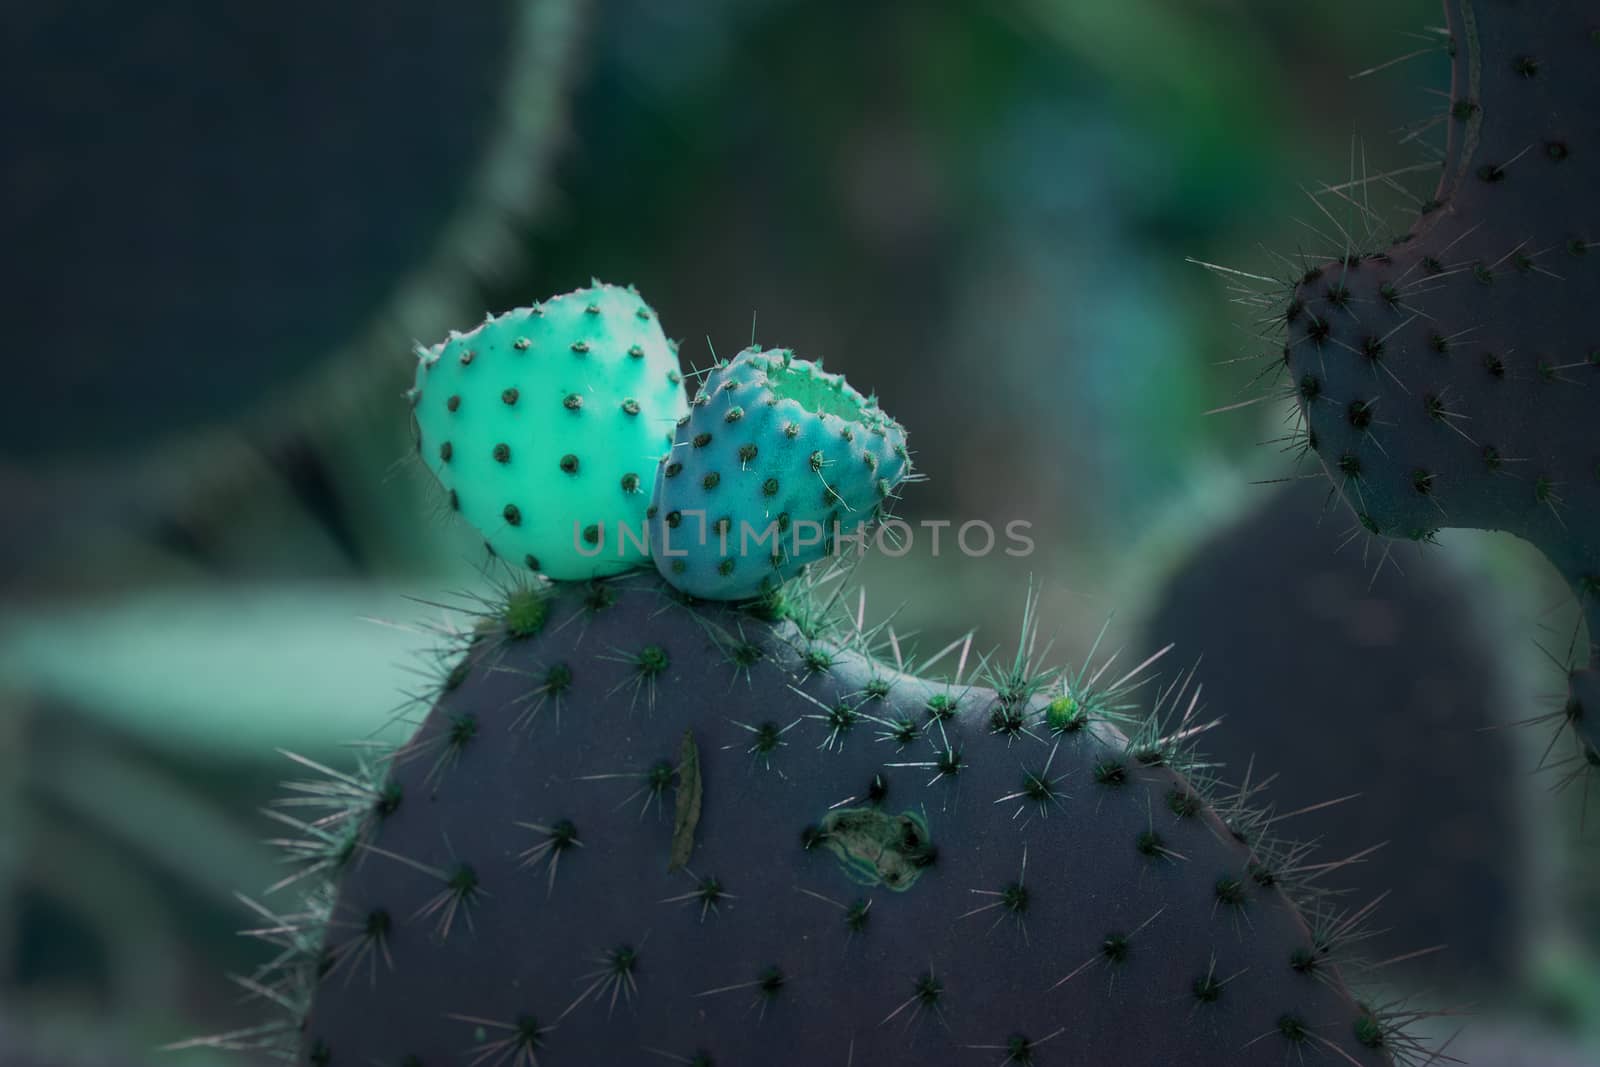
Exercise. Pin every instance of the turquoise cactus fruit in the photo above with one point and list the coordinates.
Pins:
(542, 424)
(772, 455)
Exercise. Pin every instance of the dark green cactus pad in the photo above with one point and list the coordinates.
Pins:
(1395, 686)
(1453, 378)
(878, 869)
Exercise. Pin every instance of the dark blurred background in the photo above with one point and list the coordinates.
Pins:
(227, 225)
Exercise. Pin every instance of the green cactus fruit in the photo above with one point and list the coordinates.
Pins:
(542, 425)
(775, 458)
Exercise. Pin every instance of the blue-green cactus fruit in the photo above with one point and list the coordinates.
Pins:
(773, 455)
(542, 426)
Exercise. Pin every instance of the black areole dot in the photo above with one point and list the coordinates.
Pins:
(502, 453)
(446, 450)
(453, 403)
(569, 463)
(509, 396)
(630, 406)
(572, 402)
(513, 514)
(630, 483)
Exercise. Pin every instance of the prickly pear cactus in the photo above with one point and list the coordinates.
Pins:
(543, 426)
(773, 455)
(657, 830)
(636, 824)
(1453, 378)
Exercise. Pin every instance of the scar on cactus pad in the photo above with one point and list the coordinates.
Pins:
(1451, 377)
(543, 425)
(773, 455)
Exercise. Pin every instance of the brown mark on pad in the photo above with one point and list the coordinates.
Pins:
(877, 848)
(686, 811)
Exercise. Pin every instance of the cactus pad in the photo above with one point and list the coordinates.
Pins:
(1410, 702)
(679, 832)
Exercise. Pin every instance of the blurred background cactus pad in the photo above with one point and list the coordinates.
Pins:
(537, 423)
